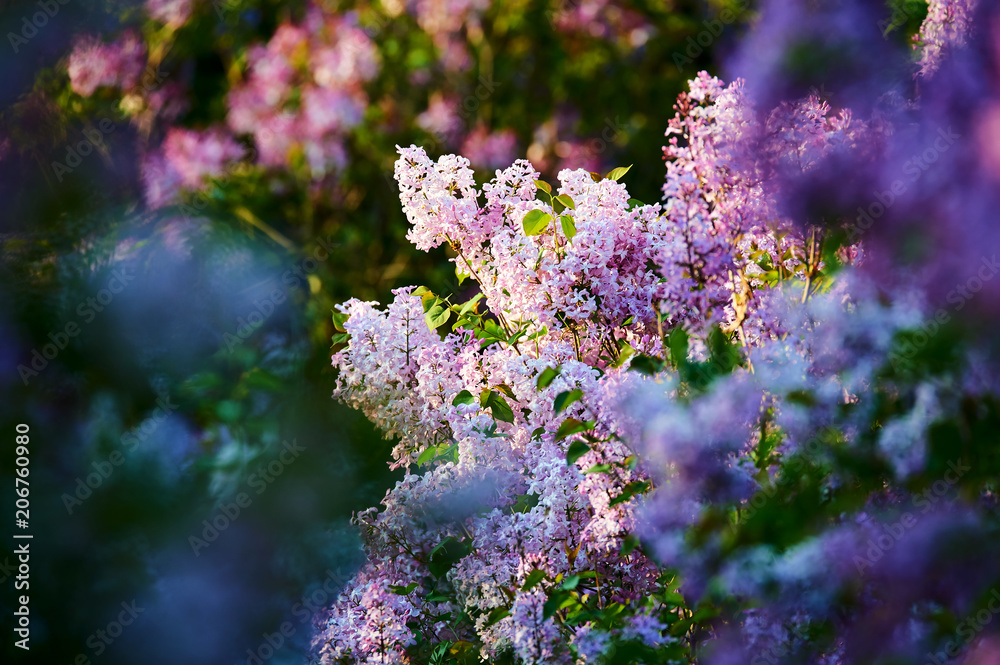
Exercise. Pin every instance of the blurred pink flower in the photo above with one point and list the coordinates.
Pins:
(441, 118)
(172, 12)
(490, 151)
(93, 64)
(195, 155)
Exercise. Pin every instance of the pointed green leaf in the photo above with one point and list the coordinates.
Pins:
(533, 578)
(618, 173)
(571, 582)
(564, 399)
(496, 616)
(464, 397)
(572, 426)
(499, 407)
(535, 222)
(544, 186)
(567, 201)
(339, 319)
(577, 449)
(547, 376)
(630, 490)
(437, 314)
(568, 226)
(427, 456)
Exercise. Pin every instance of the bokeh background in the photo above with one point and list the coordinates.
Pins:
(175, 231)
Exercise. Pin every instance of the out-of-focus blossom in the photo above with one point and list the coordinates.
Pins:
(94, 64)
(946, 27)
(490, 150)
(197, 155)
(304, 90)
(172, 12)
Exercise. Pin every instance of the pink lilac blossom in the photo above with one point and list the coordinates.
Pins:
(946, 27)
(327, 59)
(406, 378)
(172, 12)
(600, 275)
(489, 150)
(441, 119)
(94, 64)
(196, 155)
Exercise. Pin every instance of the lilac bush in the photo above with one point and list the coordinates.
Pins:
(741, 425)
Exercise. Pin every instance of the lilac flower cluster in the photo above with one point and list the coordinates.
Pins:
(688, 431)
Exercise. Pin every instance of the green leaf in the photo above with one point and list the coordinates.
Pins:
(625, 351)
(635, 203)
(544, 186)
(464, 397)
(533, 578)
(633, 488)
(572, 426)
(470, 305)
(427, 456)
(436, 314)
(547, 376)
(677, 342)
(524, 503)
(598, 468)
(340, 338)
(567, 201)
(496, 616)
(556, 602)
(568, 226)
(564, 399)
(403, 590)
(618, 173)
(499, 407)
(446, 554)
(339, 319)
(535, 222)
(647, 365)
(571, 582)
(577, 449)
